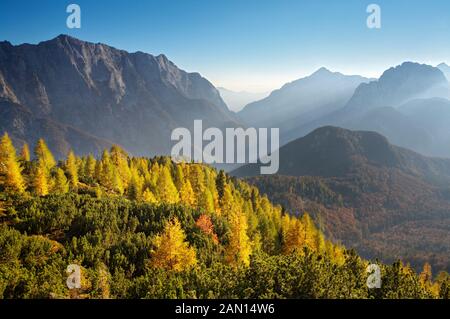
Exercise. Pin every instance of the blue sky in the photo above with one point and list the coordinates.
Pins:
(253, 45)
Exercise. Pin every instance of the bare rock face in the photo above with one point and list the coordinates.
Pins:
(132, 99)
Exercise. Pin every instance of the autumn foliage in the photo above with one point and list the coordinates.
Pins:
(168, 230)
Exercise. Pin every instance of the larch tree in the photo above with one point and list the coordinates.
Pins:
(172, 251)
(226, 202)
(187, 195)
(107, 171)
(238, 250)
(61, 183)
(136, 185)
(197, 179)
(149, 197)
(167, 191)
(309, 233)
(179, 177)
(119, 159)
(44, 155)
(41, 179)
(10, 169)
(293, 240)
(72, 170)
(25, 153)
(89, 167)
(205, 200)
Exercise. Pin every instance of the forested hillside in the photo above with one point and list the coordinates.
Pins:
(150, 228)
(385, 201)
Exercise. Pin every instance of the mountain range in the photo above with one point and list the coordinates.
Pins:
(380, 106)
(303, 100)
(84, 96)
(350, 144)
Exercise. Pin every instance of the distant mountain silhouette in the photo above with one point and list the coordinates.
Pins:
(375, 106)
(132, 99)
(336, 152)
(302, 100)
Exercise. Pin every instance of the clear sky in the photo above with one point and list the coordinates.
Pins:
(253, 45)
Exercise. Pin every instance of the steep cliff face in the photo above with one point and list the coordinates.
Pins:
(133, 99)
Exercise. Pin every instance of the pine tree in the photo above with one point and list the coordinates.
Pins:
(72, 170)
(221, 182)
(10, 170)
(25, 153)
(167, 191)
(172, 252)
(61, 184)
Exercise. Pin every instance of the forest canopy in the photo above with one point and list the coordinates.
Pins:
(152, 228)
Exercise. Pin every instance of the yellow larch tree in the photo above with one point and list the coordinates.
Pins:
(72, 170)
(167, 192)
(238, 250)
(187, 195)
(89, 166)
(293, 235)
(44, 155)
(41, 179)
(10, 170)
(172, 251)
(25, 153)
(61, 183)
(119, 159)
(149, 197)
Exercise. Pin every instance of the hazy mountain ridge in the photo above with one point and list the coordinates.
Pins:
(376, 106)
(133, 99)
(332, 151)
(309, 97)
